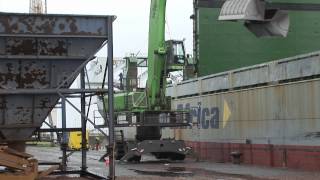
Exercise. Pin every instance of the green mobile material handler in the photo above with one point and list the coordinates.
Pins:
(149, 109)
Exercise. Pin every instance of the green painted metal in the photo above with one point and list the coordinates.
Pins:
(156, 54)
(153, 98)
(129, 101)
(228, 45)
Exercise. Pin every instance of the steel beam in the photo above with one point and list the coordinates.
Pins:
(52, 91)
(83, 115)
(59, 130)
(153, 125)
(83, 125)
(110, 100)
(64, 135)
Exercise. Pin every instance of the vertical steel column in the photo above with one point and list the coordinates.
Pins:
(45, 7)
(64, 134)
(195, 20)
(110, 99)
(51, 133)
(83, 124)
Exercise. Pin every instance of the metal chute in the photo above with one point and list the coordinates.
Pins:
(242, 10)
(260, 21)
(278, 25)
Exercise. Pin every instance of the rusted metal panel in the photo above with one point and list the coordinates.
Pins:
(35, 24)
(285, 114)
(39, 52)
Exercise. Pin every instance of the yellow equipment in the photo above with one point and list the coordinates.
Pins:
(74, 142)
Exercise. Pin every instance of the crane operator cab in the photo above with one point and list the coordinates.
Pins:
(177, 60)
(176, 57)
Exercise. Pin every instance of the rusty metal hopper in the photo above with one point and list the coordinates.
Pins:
(39, 52)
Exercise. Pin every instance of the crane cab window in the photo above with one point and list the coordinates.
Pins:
(175, 53)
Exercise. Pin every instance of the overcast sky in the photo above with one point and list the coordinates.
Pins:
(131, 26)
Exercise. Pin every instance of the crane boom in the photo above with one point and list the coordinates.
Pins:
(156, 53)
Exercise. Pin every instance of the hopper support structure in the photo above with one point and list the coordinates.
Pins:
(40, 57)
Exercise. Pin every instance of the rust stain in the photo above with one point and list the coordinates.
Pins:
(100, 31)
(35, 75)
(73, 27)
(5, 21)
(28, 22)
(21, 47)
(53, 47)
(61, 26)
(24, 80)
(43, 25)
(78, 33)
(47, 27)
(29, 47)
(9, 76)
(15, 27)
(60, 49)
(44, 103)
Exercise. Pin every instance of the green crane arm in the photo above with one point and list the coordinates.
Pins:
(156, 54)
(163, 57)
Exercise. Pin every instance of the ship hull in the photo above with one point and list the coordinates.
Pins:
(269, 113)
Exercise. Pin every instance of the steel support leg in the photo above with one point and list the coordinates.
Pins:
(83, 124)
(110, 100)
(64, 135)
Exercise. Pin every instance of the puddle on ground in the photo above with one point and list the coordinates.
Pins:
(169, 172)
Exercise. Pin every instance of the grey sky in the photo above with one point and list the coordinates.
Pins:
(131, 26)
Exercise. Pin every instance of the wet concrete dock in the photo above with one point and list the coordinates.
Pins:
(151, 168)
